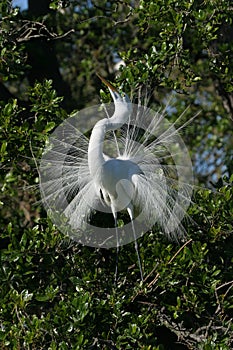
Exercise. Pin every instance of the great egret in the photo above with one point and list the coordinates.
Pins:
(149, 174)
(115, 178)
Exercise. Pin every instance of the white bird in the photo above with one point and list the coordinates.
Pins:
(115, 178)
(150, 175)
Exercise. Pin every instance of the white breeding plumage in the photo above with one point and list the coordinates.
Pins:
(150, 175)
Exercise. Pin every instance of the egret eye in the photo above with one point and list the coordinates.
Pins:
(123, 95)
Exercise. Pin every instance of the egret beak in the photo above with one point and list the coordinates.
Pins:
(110, 86)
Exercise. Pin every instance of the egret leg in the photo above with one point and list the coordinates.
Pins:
(117, 248)
(130, 211)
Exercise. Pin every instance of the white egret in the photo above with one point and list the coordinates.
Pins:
(150, 174)
(115, 178)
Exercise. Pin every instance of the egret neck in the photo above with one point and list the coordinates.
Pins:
(123, 109)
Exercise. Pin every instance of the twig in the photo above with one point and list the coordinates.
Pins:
(224, 285)
(34, 30)
(169, 262)
(179, 250)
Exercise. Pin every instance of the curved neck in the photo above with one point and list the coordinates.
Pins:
(95, 149)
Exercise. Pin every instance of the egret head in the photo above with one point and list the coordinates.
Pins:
(116, 95)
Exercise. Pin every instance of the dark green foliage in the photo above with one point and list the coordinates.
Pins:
(59, 295)
(56, 294)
